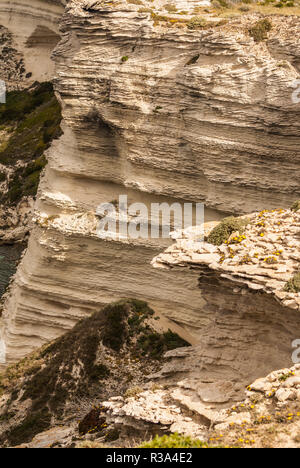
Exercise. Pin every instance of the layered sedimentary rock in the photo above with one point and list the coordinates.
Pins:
(211, 107)
(251, 301)
(158, 111)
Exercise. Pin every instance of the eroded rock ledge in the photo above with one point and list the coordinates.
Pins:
(264, 257)
(253, 319)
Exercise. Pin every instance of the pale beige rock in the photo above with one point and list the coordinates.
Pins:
(156, 128)
(152, 411)
(35, 32)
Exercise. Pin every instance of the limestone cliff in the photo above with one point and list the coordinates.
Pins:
(161, 110)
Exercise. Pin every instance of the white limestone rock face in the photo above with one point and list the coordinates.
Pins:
(224, 126)
(159, 113)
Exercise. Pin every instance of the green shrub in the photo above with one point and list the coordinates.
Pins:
(196, 23)
(20, 103)
(115, 331)
(293, 285)
(133, 392)
(225, 228)
(154, 344)
(124, 58)
(260, 30)
(174, 441)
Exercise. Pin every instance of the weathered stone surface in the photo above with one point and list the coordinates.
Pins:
(55, 437)
(154, 127)
(30, 32)
(253, 318)
(152, 411)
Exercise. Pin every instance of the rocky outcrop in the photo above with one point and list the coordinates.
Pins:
(160, 111)
(252, 302)
(101, 385)
(29, 33)
(263, 257)
(267, 417)
(105, 355)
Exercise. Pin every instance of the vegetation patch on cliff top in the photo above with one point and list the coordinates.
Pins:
(174, 441)
(260, 30)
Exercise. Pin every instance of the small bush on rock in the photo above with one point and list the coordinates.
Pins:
(293, 285)
(170, 7)
(196, 23)
(227, 226)
(260, 30)
(133, 392)
(296, 206)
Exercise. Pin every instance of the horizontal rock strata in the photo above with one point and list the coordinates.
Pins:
(254, 318)
(159, 113)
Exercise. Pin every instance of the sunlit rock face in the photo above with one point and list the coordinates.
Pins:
(161, 114)
(32, 30)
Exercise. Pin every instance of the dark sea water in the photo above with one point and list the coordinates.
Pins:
(9, 257)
